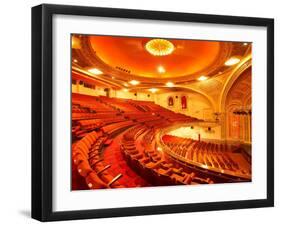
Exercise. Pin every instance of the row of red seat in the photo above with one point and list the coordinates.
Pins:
(152, 165)
(212, 155)
(101, 118)
(93, 118)
(86, 156)
(115, 127)
(90, 102)
(121, 104)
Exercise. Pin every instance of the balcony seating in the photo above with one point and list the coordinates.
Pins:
(214, 156)
(98, 120)
(150, 163)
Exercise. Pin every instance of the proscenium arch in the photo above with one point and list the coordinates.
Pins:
(247, 63)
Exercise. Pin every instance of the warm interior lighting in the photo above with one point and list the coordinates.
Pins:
(159, 149)
(125, 90)
(153, 90)
(245, 44)
(75, 42)
(134, 82)
(202, 78)
(159, 47)
(170, 84)
(126, 84)
(95, 71)
(231, 61)
(112, 77)
(75, 61)
(161, 69)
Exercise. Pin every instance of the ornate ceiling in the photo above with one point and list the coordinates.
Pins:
(121, 60)
(189, 57)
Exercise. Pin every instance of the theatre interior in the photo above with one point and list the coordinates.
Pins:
(150, 111)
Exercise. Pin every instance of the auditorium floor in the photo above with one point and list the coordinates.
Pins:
(112, 155)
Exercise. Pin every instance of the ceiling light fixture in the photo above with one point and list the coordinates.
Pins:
(161, 69)
(231, 61)
(202, 78)
(134, 82)
(170, 84)
(75, 60)
(245, 44)
(125, 90)
(153, 90)
(95, 71)
(159, 47)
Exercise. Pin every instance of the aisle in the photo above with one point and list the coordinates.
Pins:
(112, 155)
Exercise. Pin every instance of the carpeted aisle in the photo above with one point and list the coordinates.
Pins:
(113, 155)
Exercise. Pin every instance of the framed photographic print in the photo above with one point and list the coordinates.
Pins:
(147, 112)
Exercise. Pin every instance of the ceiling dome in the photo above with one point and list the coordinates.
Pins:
(180, 57)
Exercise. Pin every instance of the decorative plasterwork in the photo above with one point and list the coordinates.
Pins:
(88, 56)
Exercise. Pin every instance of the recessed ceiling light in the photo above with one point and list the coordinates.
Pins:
(202, 78)
(75, 60)
(245, 44)
(153, 90)
(161, 69)
(170, 84)
(95, 71)
(134, 82)
(112, 77)
(231, 61)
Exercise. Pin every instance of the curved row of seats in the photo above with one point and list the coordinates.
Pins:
(212, 155)
(121, 104)
(86, 156)
(101, 118)
(150, 164)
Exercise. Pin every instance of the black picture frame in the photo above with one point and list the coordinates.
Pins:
(42, 111)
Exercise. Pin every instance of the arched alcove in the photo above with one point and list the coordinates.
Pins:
(170, 101)
(238, 110)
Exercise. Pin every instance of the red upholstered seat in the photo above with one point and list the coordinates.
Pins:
(93, 181)
(84, 168)
(78, 158)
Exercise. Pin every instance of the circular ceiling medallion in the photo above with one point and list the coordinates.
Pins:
(159, 47)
